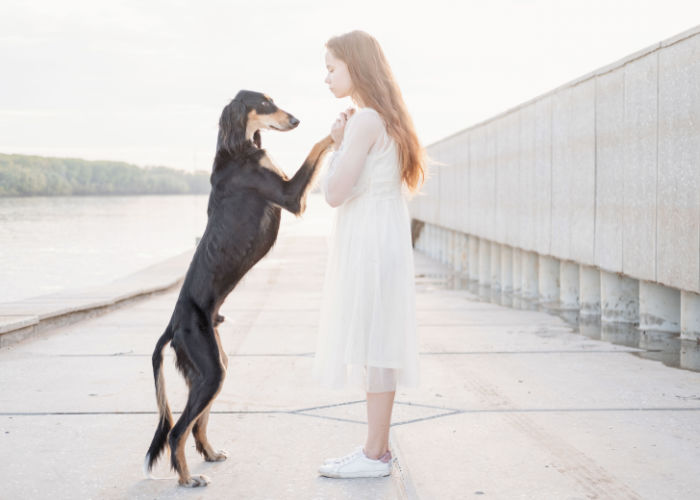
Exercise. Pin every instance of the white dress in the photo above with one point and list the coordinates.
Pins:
(367, 327)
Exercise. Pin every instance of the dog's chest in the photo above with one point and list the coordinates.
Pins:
(267, 162)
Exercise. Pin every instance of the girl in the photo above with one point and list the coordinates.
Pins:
(367, 329)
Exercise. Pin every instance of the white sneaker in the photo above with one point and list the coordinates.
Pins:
(338, 459)
(357, 464)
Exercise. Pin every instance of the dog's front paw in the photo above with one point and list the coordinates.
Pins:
(195, 481)
(324, 144)
(219, 456)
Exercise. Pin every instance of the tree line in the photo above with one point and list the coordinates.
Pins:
(22, 175)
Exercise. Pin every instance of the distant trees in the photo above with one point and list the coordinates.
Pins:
(22, 175)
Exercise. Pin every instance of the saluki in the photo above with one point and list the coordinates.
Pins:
(248, 192)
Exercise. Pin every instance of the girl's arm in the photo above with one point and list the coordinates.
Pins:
(346, 164)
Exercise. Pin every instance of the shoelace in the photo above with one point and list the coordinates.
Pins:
(349, 457)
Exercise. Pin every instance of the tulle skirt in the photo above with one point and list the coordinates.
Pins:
(367, 327)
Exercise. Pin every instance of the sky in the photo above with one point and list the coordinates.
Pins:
(144, 81)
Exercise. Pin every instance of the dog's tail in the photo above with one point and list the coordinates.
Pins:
(165, 421)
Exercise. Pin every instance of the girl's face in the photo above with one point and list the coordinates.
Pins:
(338, 78)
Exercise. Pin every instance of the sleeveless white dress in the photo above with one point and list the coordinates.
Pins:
(367, 327)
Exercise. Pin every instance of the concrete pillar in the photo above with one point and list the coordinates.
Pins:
(568, 283)
(517, 270)
(473, 258)
(619, 298)
(459, 257)
(420, 239)
(659, 307)
(484, 262)
(495, 266)
(445, 245)
(464, 254)
(506, 269)
(452, 248)
(529, 283)
(589, 287)
(690, 315)
(428, 244)
(548, 278)
(456, 261)
(690, 355)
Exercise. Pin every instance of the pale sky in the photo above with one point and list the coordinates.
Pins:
(144, 81)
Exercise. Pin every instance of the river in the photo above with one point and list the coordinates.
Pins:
(48, 244)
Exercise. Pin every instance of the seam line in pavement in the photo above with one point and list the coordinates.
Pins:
(304, 412)
(428, 353)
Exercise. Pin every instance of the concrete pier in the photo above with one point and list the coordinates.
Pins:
(531, 395)
(589, 280)
(659, 307)
(517, 271)
(507, 269)
(495, 267)
(484, 263)
(548, 273)
(473, 260)
(690, 316)
(529, 283)
(461, 258)
(619, 298)
(569, 285)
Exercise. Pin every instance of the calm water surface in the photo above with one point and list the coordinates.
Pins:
(48, 244)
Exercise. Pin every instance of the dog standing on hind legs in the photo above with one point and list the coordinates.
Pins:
(248, 193)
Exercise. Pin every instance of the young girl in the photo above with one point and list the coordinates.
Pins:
(367, 329)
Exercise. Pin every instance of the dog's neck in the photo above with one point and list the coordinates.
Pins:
(251, 134)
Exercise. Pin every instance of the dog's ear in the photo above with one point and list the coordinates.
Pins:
(256, 139)
(232, 126)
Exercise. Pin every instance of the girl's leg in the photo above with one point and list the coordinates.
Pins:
(379, 406)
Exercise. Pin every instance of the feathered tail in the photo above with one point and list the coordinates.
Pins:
(165, 421)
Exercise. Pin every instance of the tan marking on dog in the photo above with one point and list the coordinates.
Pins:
(266, 162)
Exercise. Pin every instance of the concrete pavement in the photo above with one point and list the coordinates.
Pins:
(513, 403)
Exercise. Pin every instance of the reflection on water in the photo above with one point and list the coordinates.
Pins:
(659, 346)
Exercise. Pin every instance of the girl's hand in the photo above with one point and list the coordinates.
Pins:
(338, 128)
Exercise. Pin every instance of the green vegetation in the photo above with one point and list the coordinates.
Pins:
(22, 175)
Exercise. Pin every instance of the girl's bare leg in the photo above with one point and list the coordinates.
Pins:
(379, 406)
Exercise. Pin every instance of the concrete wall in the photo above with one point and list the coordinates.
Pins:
(603, 171)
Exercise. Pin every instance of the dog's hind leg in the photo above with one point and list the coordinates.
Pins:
(205, 382)
(199, 431)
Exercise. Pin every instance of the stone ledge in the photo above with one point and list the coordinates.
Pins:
(24, 318)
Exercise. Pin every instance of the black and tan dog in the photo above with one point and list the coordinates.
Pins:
(247, 195)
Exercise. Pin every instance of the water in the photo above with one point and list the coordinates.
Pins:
(49, 244)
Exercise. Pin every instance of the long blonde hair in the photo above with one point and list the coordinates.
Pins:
(375, 85)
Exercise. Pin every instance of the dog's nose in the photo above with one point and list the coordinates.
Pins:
(293, 121)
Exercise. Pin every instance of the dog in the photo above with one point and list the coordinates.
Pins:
(248, 193)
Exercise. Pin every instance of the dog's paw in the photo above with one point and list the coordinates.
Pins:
(324, 144)
(219, 456)
(196, 481)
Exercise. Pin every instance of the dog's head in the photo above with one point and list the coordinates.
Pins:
(244, 117)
